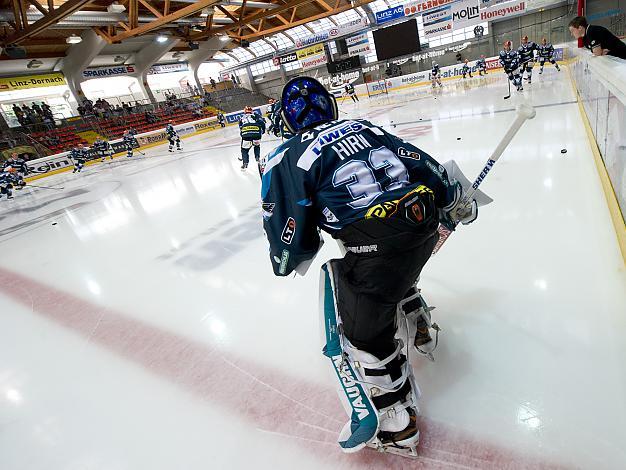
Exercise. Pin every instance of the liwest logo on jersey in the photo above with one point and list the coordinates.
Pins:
(324, 138)
(288, 231)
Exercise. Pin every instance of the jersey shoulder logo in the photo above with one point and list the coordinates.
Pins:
(402, 152)
(289, 231)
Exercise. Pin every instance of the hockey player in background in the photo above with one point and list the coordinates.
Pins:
(103, 149)
(172, 136)
(7, 179)
(509, 60)
(350, 91)
(130, 142)
(546, 53)
(466, 69)
(221, 119)
(251, 129)
(526, 52)
(383, 200)
(482, 66)
(273, 109)
(21, 170)
(435, 75)
(79, 154)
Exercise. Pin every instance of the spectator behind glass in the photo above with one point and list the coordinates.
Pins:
(599, 40)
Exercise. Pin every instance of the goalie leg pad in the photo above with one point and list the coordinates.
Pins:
(379, 395)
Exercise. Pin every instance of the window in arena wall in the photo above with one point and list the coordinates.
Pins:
(261, 48)
(346, 16)
(242, 54)
(263, 67)
(281, 41)
(289, 66)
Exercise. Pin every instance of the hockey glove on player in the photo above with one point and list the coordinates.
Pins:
(458, 211)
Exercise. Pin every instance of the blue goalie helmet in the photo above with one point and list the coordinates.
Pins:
(306, 103)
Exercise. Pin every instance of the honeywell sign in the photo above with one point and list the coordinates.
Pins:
(503, 11)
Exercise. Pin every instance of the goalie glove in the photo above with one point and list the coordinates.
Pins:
(458, 210)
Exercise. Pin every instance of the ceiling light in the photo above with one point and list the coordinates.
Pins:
(73, 39)
(161, 38)
(33, 64)
(116, 8)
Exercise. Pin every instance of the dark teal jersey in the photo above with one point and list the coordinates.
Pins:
(334, 175)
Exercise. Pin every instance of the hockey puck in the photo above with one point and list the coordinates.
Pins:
(458, 138)
(54, 223)
(563, 150)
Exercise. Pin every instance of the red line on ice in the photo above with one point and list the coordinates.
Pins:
(305, 414)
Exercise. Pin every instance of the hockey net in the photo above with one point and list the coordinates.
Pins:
(377, 88)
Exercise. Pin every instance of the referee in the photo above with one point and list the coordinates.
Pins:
(599, 40)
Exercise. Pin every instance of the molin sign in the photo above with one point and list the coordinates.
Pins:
(465, 14)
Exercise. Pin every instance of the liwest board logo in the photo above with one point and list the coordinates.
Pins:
(288, 231)
(483, 173)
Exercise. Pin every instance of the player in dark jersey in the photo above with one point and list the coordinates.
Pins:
(79, 154)
(20, 170)
(482, 66)
(221, 119)
(383, 200)
(130, 142)
(350, 91)
(435, 75)
(466, 69)
(251, 129)
(103, 149)
(526, 52)
(172, 136)
(509, 60)
(546, 53)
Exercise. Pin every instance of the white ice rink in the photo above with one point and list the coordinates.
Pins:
(141, 326)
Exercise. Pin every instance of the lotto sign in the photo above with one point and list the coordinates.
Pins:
(466, 13)
(437, 22)
(285, 59)
(423, 6)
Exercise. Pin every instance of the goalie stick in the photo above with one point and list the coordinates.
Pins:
(524, 112)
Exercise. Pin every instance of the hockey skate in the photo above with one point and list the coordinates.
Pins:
(402, 443)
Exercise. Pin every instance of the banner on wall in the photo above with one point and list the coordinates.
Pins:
(358, 44)
(115, 71)
(465, 13)
(312, 56)
(32, 81)
(285, 59)
(505, 10)
(413, 8)
(491, 3)
(389, 14)
(333, 33)
(168, 68)
(438, 22)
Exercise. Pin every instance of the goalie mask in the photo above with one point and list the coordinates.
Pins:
(305, 103)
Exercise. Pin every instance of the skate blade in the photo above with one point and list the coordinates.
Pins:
(406, 452)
